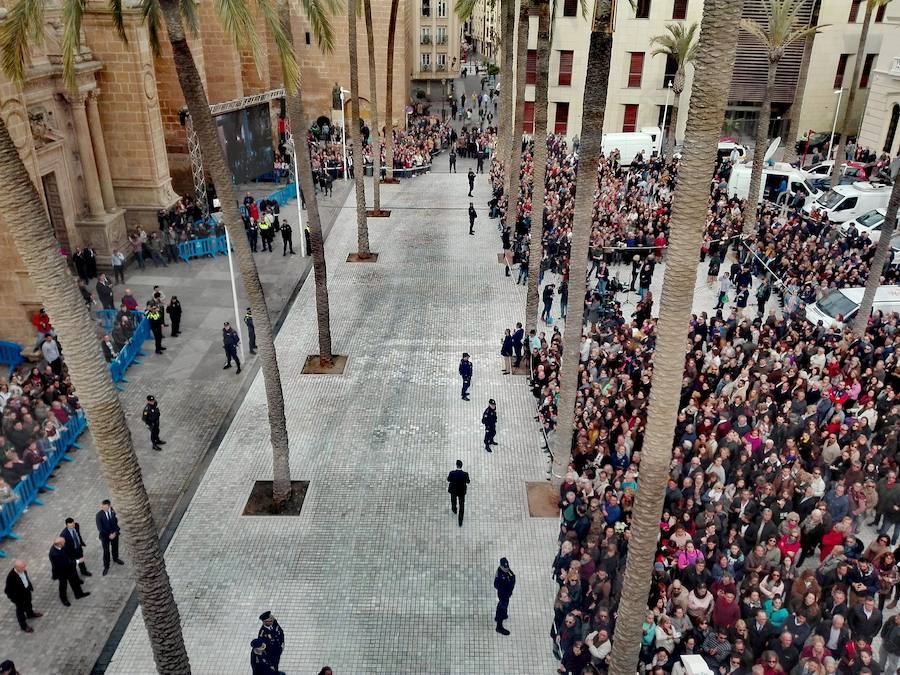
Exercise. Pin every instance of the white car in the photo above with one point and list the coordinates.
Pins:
(868, 223)
(839, 306)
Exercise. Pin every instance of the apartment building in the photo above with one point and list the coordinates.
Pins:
(435, 33)
(878, 129)
(482, 32)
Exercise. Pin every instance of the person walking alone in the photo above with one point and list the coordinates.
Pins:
(108, 528)
(174, 312)
(230, 342)
(504, 582)
(19, 589)
(452, 160)
(251, 329)
(471, 177)
(465, 372)
(489, 420)
(547, 296)
(287, 238)
(150, 417)
(457, 481)
(472, 216)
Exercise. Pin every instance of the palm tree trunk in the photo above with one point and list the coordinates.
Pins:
(673, 122)
(790, 151)
(508, 41)
(389, 103)
(303, 170)
(375, 136)
(595, 87)
(759, 152)
(845, 128)
(214, 158)
(878, 261)
(715, 58)
(34, 239)
(514, 150)
(535, 244)
(362, 227)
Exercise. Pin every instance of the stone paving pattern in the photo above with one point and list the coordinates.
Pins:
(375, 576)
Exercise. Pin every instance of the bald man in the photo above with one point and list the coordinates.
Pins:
(65, 571)
(19, 589)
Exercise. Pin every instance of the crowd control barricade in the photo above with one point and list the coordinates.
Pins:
(107, 319)
(11, 355)
(131, 351)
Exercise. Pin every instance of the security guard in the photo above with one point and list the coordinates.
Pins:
(272, 633)
(150, 417)
(260, 662)
(465, 372)
(251, 329)
(155, 317)
(230, 342)
(287, 240)
(266, 231)
(489, 420)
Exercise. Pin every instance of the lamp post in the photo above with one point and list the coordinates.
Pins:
(840, 95)
(292, 147)
(665, 116)
(344, 131)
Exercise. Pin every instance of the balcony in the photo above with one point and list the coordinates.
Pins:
(895, 66)
(441, 67)
(425, 68)
(426, 39)
(440, 40)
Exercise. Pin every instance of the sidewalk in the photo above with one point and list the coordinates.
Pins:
(195, 395)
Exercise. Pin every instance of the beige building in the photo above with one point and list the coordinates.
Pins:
(482, 31)
(882, 114)
(435, 35)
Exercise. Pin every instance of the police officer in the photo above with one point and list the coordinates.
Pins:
(452, 159)
(150, 417)
(251, 330)
(504, 582)
(471, 181)
(273, 635)
(287, 241)
(489, 420)
(252, 234)
(266, 231)
(457, 481)
(155, 317)
(472, 216)
(260, 663)
(465, 372)
(230, 342)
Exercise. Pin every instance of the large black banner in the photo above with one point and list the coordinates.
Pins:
(246, 138)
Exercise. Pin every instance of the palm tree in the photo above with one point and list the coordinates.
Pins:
(781, 32)
(793, 132)
(33, 236)
(712, 74)
(680, 45)
(595, 92)
(844, 126)
(303, 170)
(375, 135)
(362, 227)
(514, 149)
(876, 267)
(389, 92)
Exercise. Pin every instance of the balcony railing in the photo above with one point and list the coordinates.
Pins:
(426, 67)
(426, 39)
(440, 40)
(441, 66)
(895, 66)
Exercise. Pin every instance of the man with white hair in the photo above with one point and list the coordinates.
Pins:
(19, 589)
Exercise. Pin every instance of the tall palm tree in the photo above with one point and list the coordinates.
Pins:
(793, 132)
(389, 92)
(33, 236)
(362, 226)
(844, 126)
(876, 267)
(514, 149)
(712, 74)
(303, 169)
(780, 33)
(680, 45)
(595, 93)
(375, 134)
(535, 244)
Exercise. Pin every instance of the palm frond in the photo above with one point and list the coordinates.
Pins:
(238, 24)
(72, 14)
(756, 30)
(464, 9)
(115, 6)
(782, 29)
(319, 13)
(289, 67)
(153, 21)
(188, 10)
(679, 43)
(24, 25)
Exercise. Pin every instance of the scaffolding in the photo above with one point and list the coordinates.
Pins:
(197, 172)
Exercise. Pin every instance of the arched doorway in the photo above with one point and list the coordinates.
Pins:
(892, 129)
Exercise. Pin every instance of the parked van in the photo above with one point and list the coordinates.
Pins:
(868, 223)
(776, 180)
(840, 305)
(629, 144)
(727, 145)
(846, 202)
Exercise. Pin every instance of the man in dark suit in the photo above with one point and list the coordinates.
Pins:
(865, 620)
(518, 338)
(74, 544)
(108, 527)
(759, 531)
(18, 590)
(64, 571)
(457, 481)
(835, 633)
(759, 632)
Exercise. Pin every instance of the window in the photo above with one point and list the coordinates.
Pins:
(665, 124)
(531, 67)
(528, 118)
(892, 129)
(679, 10)
(671, 69)
(307, 38)
(867, 70)
(426, 7)
(854, 10)
(442, 9)
(426, 36)
(879, 13)
(440, 35)
(441, 62)
(565, 68)
(426, 61)
(841, 67)
(642, 9)
(630, 121)
(570, 8)
(562, 118)
(635, 69)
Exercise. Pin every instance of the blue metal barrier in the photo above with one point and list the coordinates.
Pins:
(131, 351)
(31, 486)
(11, 355)
(107, 318)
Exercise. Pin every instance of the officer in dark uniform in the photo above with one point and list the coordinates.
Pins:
(272, 633)
(489, 420)
(251, 330)
(457, 481)
(287, 240)
(504, 582)
(260, 663)
(465, 372)
(452, 159)
(150, 417)
(155, 317)
(471, 181)
(230, 342)
(472, 216)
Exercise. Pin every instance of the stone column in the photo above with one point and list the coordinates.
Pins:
(86, 154)
(106, 188)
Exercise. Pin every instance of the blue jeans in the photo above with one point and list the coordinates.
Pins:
(139, 256)
(891, 525)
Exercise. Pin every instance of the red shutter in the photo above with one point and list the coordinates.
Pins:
(867, 70)
(565, 67)
(679, 10)
(854, 11)
(528, 119)
(841, 67)
(562, 119)
(631, 113)
(531, 67)
(635, 69)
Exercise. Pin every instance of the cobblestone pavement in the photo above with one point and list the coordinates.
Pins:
(195, 395)
(375, 576)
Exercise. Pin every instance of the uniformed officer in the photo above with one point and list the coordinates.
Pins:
(471, 176)
(287, 240)
(230, 342)
(266, 231)
(260, 663)
(251, 330)
(465, 372)
(272, 633)
(472, 216)
(155, 317)
(504, 582)
(452, 159)
(151, 419)
(489, 420)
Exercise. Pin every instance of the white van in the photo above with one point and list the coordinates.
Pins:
(648, 140)
(868, 223)
(840, 305)
(776, 180)
(727, 146)
(846, 202)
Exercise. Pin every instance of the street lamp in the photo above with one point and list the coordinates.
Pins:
(840, 95)
(292, 149)
(344, 131)
(665, 115)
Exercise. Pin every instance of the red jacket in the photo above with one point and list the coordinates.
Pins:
(725, 614)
